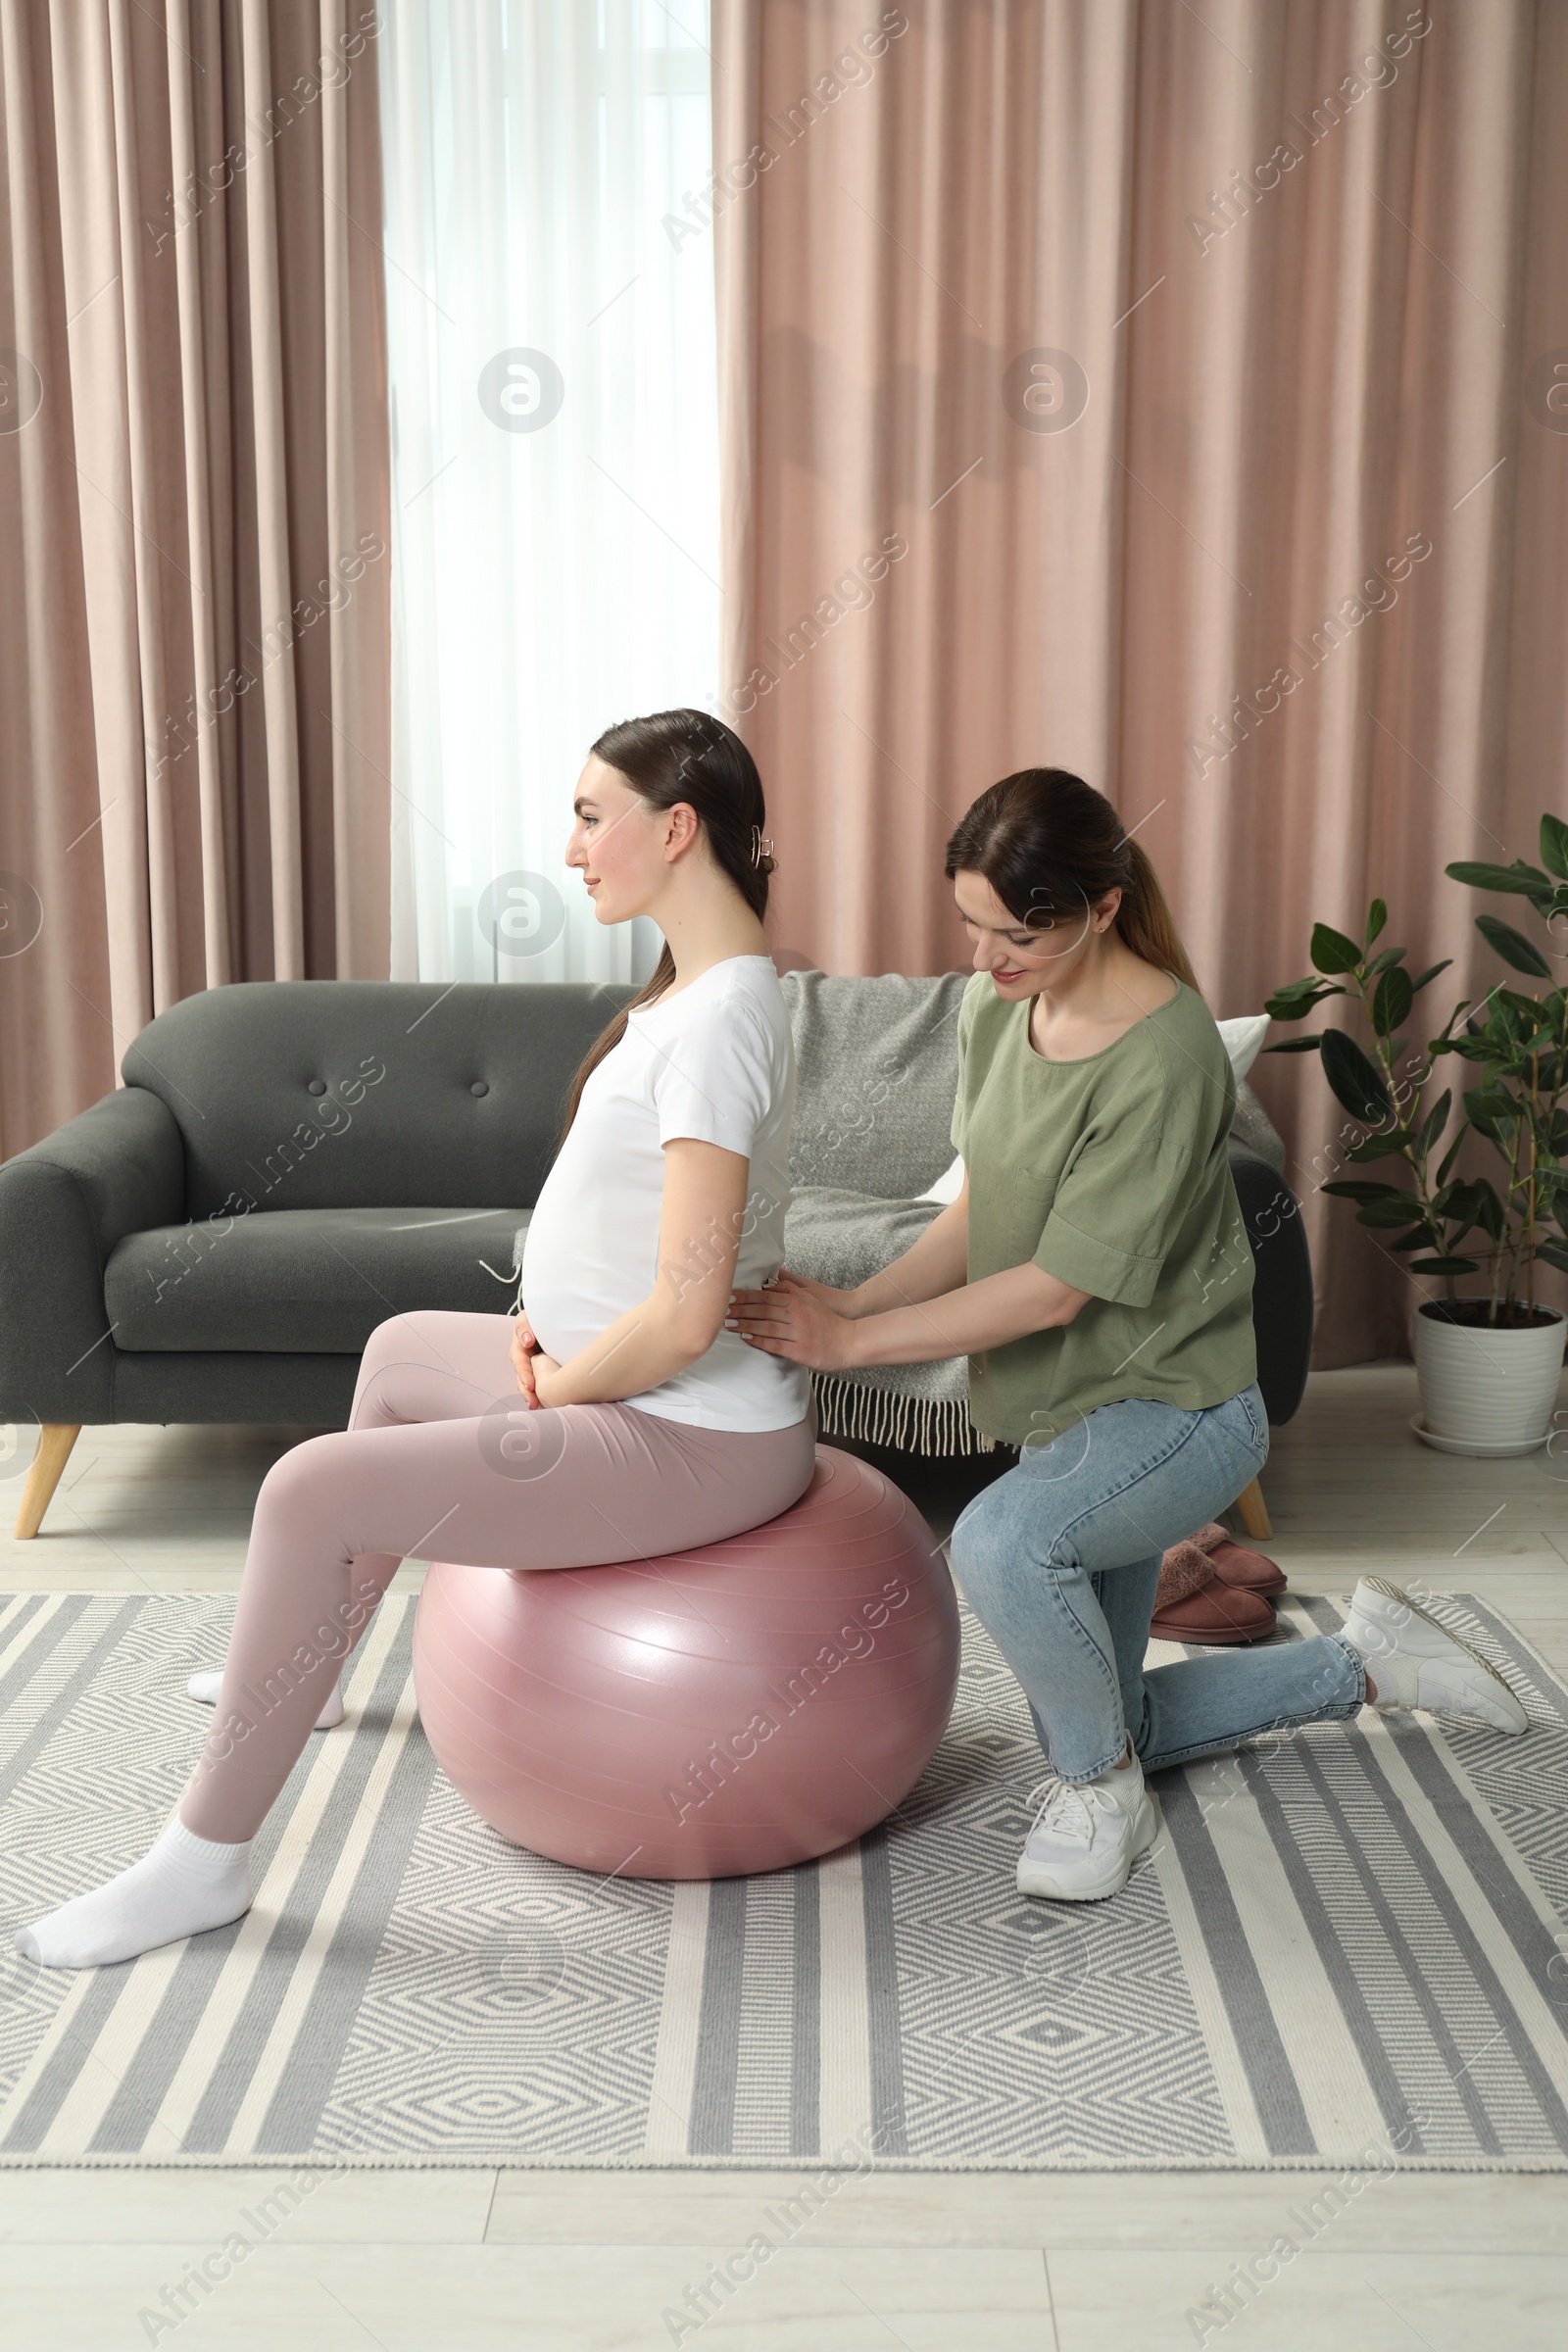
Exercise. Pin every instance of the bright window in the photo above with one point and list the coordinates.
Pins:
(554, 491)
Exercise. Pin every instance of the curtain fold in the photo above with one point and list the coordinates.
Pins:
(1166, 395)
(193, 453)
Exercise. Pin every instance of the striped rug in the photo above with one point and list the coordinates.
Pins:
(1348, 1947)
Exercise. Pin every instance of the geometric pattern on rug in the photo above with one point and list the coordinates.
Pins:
(1348, 1945)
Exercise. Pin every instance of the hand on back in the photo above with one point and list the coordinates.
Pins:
(794, 1317)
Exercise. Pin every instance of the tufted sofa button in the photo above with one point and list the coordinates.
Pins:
(317, 1086)
(478, 1087)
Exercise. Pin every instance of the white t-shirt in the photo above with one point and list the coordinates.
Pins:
(714, 1061)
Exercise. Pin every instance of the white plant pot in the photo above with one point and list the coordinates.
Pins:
(1483, 1390)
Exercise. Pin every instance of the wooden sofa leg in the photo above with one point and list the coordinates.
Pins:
(1254, 1510)
(55, 1441)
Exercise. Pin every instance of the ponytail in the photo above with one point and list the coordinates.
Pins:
(1144, 920)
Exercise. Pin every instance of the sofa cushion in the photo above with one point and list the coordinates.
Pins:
(364, 1094)
(305, 1281)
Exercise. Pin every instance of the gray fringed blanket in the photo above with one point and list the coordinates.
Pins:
(877, 1070)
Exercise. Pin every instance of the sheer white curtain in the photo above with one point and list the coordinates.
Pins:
(555, 465)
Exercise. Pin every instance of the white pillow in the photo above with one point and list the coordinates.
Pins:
(1243, 1039)
(946, 1189)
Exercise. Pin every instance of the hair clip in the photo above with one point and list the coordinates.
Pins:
(761, 847)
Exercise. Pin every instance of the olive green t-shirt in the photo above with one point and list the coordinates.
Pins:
(1112, 1173)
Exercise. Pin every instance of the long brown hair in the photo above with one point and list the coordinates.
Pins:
(687, 756)
(1048, 845)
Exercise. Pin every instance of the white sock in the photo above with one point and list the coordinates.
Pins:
(1396, 1680)
(1124, 1781)
(186, 1885)
(207, 1686)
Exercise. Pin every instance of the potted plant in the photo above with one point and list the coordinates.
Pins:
(1488, 1363)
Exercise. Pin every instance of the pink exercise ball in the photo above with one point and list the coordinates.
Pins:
(706, 1714)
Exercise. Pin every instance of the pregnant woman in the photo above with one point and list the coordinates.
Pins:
(642, 1426)
(1095, 1271)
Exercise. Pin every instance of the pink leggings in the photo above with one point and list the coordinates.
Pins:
(442, 1460)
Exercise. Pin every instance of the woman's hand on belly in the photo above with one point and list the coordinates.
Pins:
(701, 1221)
(526, 1357)
(793, 1318)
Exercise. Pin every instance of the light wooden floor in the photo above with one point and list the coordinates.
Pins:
(592, 2262)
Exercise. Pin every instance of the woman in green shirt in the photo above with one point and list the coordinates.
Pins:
(1097, 1272)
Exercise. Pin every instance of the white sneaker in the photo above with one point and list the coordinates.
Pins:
(1087, 1837)
(205, 1688)
(1416, 1662)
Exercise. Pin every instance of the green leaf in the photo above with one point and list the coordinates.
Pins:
(1353, 1188)
(1513, 947)
(1402, 1209)
(1554, 846)
(1379, 1144)
(1297, 997)
(1459, 1209)
(1437, 1120)
(1488, 1209)
(1354, 1078)
(1331, 952)
(1380, 962)
(1443, 1265)
(1377, 914)
(1526, 881)
(1554, 1253)
(1296, 1045)
(1431, 974)
(1390, 1000)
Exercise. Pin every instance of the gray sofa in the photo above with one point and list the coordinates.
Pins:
(288, 1164)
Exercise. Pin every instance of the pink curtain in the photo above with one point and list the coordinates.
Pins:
(1175, 395)
(193, 519)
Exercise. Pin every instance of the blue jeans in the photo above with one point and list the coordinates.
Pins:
(1060, 1559)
